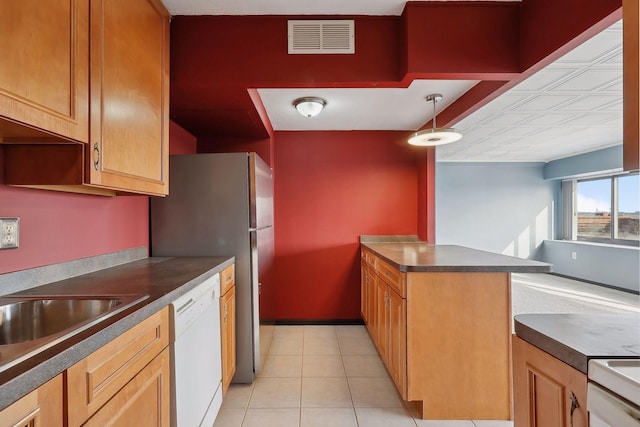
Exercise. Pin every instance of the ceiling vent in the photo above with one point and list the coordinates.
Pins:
(321, 36)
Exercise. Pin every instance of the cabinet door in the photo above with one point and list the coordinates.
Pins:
(228, 336)
(143, 401)
(382, 317)
(129, 59)
(546, 391)
(44, 68)
(372, 311)
(97, 378)
(397, 352)
(42, 407)
(364, 292)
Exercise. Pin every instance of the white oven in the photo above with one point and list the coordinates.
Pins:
(613, 393)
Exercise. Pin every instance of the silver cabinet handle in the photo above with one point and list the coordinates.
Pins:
(574, 405)
(96, 156)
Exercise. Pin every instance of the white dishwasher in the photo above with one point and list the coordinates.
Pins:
(196, 363)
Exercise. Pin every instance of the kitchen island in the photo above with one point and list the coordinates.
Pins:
(440, 317)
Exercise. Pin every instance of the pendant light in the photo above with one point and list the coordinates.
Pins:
(309, 106)
(435, 135)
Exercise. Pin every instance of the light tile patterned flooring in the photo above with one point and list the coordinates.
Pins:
(332, 376)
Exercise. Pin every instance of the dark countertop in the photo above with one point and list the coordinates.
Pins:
(163, 279)
(576, 338)
(425, 257)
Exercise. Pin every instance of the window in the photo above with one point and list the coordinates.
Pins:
(593, 207)
(604, 209)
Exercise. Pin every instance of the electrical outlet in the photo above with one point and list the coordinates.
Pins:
(574, 255)
(9, 233)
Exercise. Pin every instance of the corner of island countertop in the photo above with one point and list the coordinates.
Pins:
(409, 254)
(575, 338)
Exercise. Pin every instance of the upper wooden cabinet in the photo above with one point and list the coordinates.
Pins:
(44, 70)
(129, 83)
(126, 135)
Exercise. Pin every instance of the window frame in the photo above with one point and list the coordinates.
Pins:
(570, 215)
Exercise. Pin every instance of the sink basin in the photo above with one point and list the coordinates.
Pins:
(30, 324)
(27, 320)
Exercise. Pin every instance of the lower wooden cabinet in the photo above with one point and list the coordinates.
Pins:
(444, 337)
(368, 299)
(547, 392)
(228, 328)
(42, 407)
(385, 314)
(396, 360)
(143, 401)
(128, 374)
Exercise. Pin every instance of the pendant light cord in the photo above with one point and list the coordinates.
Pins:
(434, 113)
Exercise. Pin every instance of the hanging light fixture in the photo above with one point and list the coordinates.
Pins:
(309, 106)
(435, 135)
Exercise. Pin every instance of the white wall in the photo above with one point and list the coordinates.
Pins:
(506, 208)
(617, 266)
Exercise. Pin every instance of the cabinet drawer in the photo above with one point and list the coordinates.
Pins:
(227, 279)
(93, 381)
(368, 258)
(392, 276)
(143, 401)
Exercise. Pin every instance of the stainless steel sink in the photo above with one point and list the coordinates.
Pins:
(28, 320)
(30, 324)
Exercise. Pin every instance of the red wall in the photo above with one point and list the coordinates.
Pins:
(181, 141)
(57, 227)
(330, 188)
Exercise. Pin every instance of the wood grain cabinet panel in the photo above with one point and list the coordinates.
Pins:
(228, 327)
(143, 401)
(397, 341)
(96, 379)
(43, 407)
(44, 70)
(227, 279)
(129, 54)
(547, 392)
(445, 339)
(127, 148)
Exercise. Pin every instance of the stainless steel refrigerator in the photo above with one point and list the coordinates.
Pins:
(222, 205)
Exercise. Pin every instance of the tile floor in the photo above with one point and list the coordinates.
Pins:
(332, 376)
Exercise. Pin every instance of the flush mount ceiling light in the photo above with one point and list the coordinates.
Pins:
(309, 106)
(435, 135)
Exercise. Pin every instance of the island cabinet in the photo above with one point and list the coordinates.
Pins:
(125, 69)
(228, 325)
(547, 392)
(42, 407)
(444, 337)
(125, 382)
(368, 288)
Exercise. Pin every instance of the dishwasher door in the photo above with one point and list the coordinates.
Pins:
(196, 356)
(608, 410)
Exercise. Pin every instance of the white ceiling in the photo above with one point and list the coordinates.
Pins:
(363, 109)
(289, 7)
(572, 106)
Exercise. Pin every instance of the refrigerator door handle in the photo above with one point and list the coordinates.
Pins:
(260, 228)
